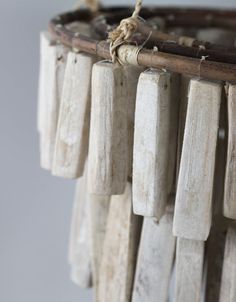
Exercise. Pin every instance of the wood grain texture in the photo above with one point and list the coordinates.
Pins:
(132, 74)
(72, 137)
(99, 209)
(46, 41)
(193, 210)
(230, 176)
(108, 136)
(80, 245)
(184, 91)
(175, 95)
(120, 249)
(155, 260)
(52, 72)
(216, 240)
(151, 140)
(189, 270)
(228, 280)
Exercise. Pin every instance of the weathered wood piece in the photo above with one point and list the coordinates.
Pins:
(80, 245)
(230, 176)
(228, 279)
(132, 74)
(120, 249)
(189, 270)
(216, 241)
(72, 137)
(151, 142)
(175, 94)
(99, 209)
(107, 166)
(46, 41)
(155, 260)
(184, 90)
(52, 72)
(193, 210)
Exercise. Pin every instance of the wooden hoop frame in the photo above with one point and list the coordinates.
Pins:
(219, 65)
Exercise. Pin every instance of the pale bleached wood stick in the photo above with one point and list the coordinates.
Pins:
(155, 260)
(72, 137)
(216, 241)
(184, 90)
(230, 176)
(132, 74)
(189, 270)
(228, 279)
(80, 245)
(175, 83)
(46, 41)
(151, 142)
(108, 136)
(99, 209)
(120, 249)
(215, 255)
(193, 209)
(52, 72)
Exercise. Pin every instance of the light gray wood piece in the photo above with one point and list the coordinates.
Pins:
(80, 244)
(228, 279)
(230, 176)
(120, 249)
(72, 137)
(189, 270)
(175, 83)
(46, 42)
(193, 209)
(107, 165)
(184, 91)
(52, 70)
(132, 74)
(99, 209)
(155, 260)
(151, 144)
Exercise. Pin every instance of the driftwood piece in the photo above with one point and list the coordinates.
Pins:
(53, 62)
(72, 138)
(99, 209)
(184, 90)
(216, 241)
(107, 166)
(189, 270)
(175, 94)
(230, 176)
(155, 260)
(151, 142)
(228, 280)
(192, 218)
(79, 248)
(120, 249)
(46, 41)
(132, 74)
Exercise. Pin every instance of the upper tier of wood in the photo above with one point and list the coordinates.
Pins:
(210, 61)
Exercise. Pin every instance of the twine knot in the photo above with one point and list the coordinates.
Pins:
(124, 31)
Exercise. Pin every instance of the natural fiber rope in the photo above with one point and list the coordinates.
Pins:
(124, 32)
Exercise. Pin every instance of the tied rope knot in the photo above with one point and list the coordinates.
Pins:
(124, 31)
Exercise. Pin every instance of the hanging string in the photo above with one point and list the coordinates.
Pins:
(124, 31)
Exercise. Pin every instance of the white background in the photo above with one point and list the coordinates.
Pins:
(35, 207)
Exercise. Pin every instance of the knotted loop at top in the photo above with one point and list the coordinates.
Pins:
(124, 31)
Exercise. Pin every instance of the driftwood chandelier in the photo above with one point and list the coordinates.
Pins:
(140, 107)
